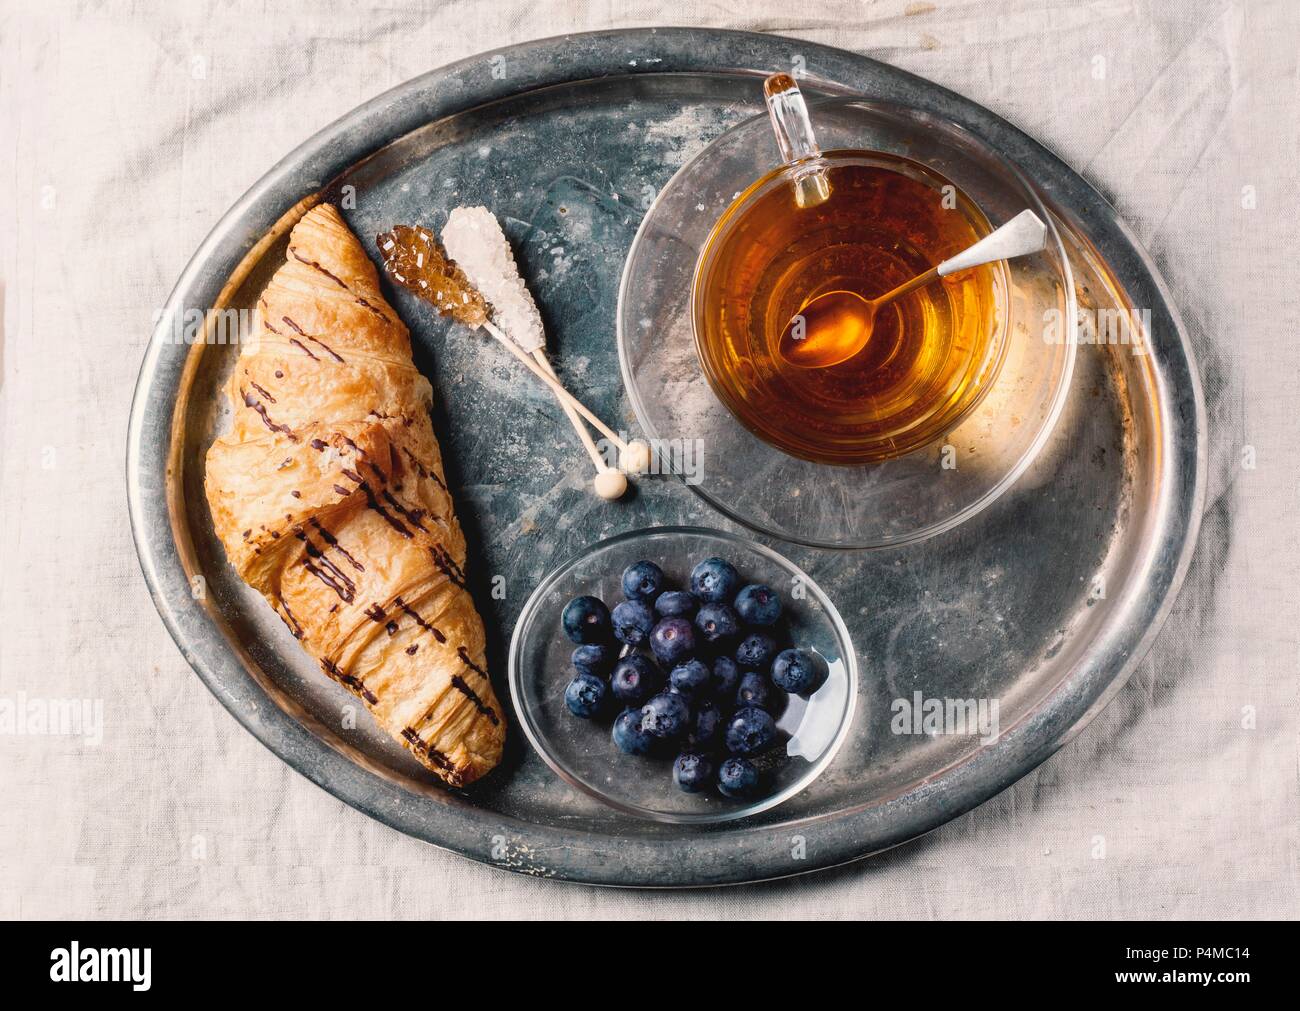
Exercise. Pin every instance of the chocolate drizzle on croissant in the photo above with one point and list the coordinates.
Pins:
(329, 496)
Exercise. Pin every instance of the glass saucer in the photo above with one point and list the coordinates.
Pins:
(893, 502)
(581, 751)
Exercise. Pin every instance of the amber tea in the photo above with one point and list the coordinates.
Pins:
(930, 356)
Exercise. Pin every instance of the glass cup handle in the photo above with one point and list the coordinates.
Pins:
(794, 137)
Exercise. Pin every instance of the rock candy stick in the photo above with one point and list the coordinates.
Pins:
(413, 258)
(474, 240)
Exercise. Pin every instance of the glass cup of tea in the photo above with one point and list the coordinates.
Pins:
(958, 386)
(855, 223)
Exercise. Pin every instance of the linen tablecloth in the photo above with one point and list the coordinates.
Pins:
(126, 130)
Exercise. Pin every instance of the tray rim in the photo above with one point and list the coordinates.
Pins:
(744, 853)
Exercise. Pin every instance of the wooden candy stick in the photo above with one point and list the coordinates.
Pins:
(574, 417)
(564, 395)
(610, 483)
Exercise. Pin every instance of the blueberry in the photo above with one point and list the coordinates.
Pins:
(635, 679)
(672, 640)
(799, 671)
(749, 731)
(586, 696)
(715, 581)
(689, 677)
(586, 620)
(665, 716)
(756, 651)
(717, 624)
(594, 658)
(758, 605)
(677, 604)
(633, 621)
(726, 678)
(737, 777)
(642, 581)
(754, 690)
(628, 736)
(692, 771)
(705, 729)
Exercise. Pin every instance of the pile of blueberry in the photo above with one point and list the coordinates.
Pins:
(727, 681)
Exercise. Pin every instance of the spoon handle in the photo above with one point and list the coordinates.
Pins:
(1023, 234)
(920, 281)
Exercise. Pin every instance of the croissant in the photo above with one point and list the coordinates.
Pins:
(329, 495)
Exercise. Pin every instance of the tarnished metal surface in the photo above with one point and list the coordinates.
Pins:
(1045, 601)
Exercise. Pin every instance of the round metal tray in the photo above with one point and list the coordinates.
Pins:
(1045, 601)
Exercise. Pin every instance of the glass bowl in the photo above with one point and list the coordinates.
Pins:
(895, 501)
(581, 751)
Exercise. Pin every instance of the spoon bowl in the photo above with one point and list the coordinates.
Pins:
(829, 329)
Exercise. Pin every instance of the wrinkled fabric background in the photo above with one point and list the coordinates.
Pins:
(125, 132)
